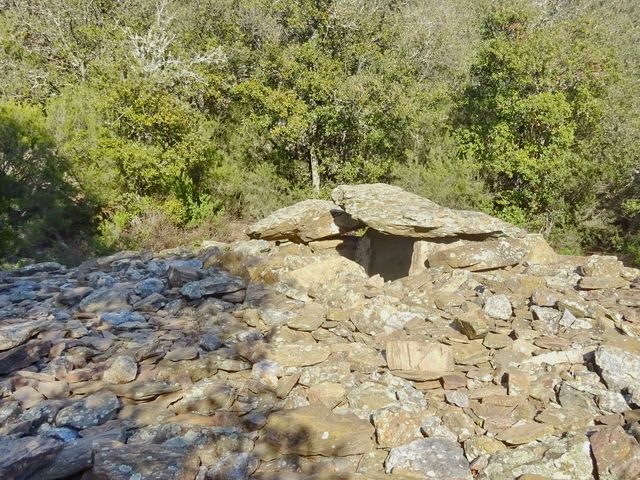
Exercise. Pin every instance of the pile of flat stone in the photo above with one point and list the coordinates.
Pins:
(282, 358)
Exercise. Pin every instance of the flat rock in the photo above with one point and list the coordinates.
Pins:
(482, 446)
(498, 306)
(370, 396)
(327, 394)
(14, 334)
(524, 432)
(205, 398)
(602, 266)
(620, 369)
(410, 355)
(179, 275)
(144, 390)
(94, 410)
(473, 324)
(123, 370)
(397, 424)
(145, 462)
(299, 355)
(315, 430)
(182, 353)
(304, 222)
(616, 453)
(27, 396)
(21, 457)
(105, 300)
(72, 296)
(308, 318)
(602, 283)
(479, 256)
(23, 356)
(215, 285)
(472, 353)
(74, 458)
(559, 459)
(392, 210)
(430, 458)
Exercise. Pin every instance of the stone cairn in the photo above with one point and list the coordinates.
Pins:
(376, 336)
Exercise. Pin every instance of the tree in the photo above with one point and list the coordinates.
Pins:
(38, 205)
(531, 116)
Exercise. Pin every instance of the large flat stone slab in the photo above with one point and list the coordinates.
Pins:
(304, 222)
(394, 211)
(15, 334)
(20, 457)
(145, 462)
(316, 430)
(23, 356)
(494, 254)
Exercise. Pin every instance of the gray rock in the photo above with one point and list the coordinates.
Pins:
(43, 413)
(210, 342)
(9, 410)
(152, 303)
(619, 369)
(498, 306)
(24, 292)
(123, 370)
(23, 356)
(75, 457)
(105, 300)
(180, 275)
(304, 222)
(149, 286)
(144, 462)
(101, 280)
(14, 334)
(21, 457)
(431, 458)
(63, 434)
(121, 317)
(562, 459)
(44, 267)
(214, 285)
(194, 263)
(394, 211)
(93, 410)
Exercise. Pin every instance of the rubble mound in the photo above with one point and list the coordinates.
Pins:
(405, 341)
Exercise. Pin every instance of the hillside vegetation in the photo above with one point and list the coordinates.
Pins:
(144, 123)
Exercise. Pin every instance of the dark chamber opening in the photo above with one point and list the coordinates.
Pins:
(389, 255)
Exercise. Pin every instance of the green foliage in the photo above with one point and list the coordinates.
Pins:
(37, 201)
(163, 117)
(445, 177)
(532, 116)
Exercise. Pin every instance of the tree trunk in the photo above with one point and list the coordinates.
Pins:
(315, 171)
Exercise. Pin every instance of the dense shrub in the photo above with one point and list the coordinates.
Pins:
(39, 204)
